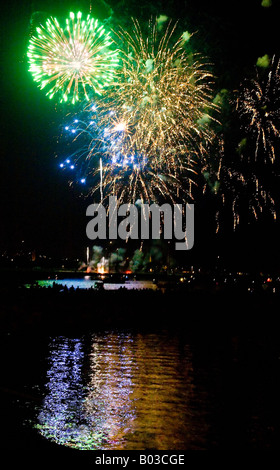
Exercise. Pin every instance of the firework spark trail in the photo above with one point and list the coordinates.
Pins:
(238, 190)
(72, 61)
(249, 197)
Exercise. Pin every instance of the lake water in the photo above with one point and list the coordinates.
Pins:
(125, 390)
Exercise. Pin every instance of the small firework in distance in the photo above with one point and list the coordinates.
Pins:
(73, 61)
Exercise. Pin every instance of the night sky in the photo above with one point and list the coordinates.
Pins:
(37, 205)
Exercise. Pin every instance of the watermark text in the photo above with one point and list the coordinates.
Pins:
(142, 222)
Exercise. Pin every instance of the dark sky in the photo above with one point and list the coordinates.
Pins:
(36, 203)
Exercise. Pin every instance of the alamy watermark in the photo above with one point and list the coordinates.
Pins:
(142, 223)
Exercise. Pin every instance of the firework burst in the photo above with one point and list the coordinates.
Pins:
(162, 93)
(157, 118)
(259, 109)
(154, 122)
(71, 62)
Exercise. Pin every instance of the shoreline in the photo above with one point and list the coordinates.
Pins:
(48, 310)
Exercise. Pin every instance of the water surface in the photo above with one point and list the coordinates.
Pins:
(127, 390)
(119, 391)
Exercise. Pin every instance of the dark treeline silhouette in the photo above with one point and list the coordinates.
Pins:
(60, 310)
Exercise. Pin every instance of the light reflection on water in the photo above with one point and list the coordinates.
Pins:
(119, 391)
(88, 283)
